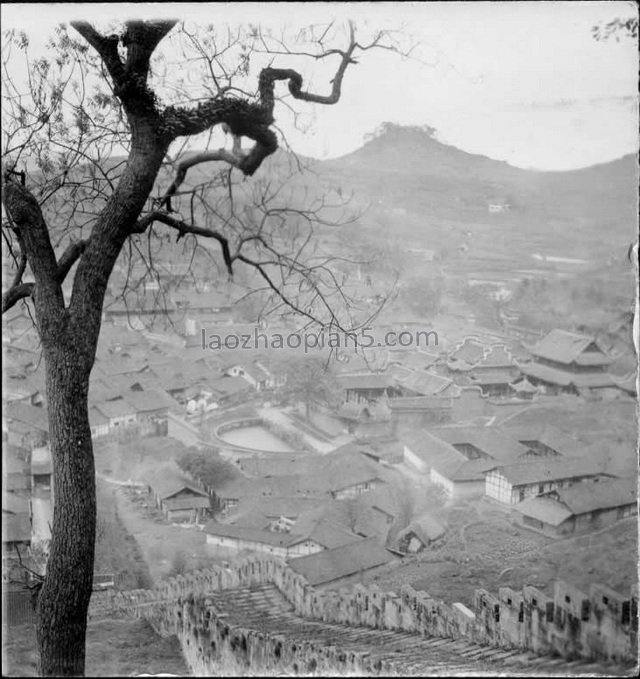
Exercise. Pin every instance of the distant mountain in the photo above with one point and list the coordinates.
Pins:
(431, 186)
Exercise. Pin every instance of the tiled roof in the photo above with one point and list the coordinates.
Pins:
(117, 408)
(275, 507)
(587, 497)
(195, 502)
(426, 528)
(278, 464)
(469, 351)
(490, 440)
(497, 357)
(230, 385)
(493, 376)
(469, 470)
(168, 481)
(434, 452)
(419, 403)
(548, 434)
(366, 381)
(564, 379)
(334, 564)
(424, 383)
(544, 508)
(151, 399)
(412, 358)
(523, 386)
(539, 471)
(266, 537)
(314, 526)
(30, 415)
(563, 346)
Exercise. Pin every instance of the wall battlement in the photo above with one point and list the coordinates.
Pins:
(599, 626)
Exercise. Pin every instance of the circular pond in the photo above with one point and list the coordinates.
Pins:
(254, 436)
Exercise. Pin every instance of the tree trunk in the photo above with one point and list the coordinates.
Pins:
(64, 598)
(69, 339)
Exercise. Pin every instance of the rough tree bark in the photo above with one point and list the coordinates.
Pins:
(69, 334)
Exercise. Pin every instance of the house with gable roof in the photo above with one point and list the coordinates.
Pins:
(581, 507)
(177, 496)
(516, 482)
(568, 362)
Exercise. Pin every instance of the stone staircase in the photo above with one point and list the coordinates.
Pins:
(262, 609)
(258, 616)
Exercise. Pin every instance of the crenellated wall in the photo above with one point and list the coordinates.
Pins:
(599, 626)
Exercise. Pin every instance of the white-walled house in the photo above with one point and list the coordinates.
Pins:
(238, 538)
(513, 483)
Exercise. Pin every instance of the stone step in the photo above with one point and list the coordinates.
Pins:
(264, 609)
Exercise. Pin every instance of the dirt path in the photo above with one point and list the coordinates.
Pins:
(166, 548)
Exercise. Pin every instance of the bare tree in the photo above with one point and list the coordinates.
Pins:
(95, 123)
(310, 380)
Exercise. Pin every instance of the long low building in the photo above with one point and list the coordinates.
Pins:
(333, 565)
(314, 536)
(513, 483)
(580, 508)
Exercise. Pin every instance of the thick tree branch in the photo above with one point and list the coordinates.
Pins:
(246, 119)
(69, 257)
(21, 269)
(19, 290)
(140, 39)
(14, 294)
(235, 158)
(28, 223)
(106, 47)
(183, 229)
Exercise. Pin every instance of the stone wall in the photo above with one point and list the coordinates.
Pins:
(599, 626)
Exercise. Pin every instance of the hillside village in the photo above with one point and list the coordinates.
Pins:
(467, 463)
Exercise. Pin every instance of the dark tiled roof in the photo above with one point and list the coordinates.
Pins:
(587, 497)
(150, 400)
(116, 408)
(168, 481)
(424, 383)
(539, 471)
(333, 564)
(490, 440)
(564, 379)
(273, 538)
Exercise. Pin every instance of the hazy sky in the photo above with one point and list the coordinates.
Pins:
(518, 81)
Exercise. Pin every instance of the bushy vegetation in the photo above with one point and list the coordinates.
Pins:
(208, 467)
